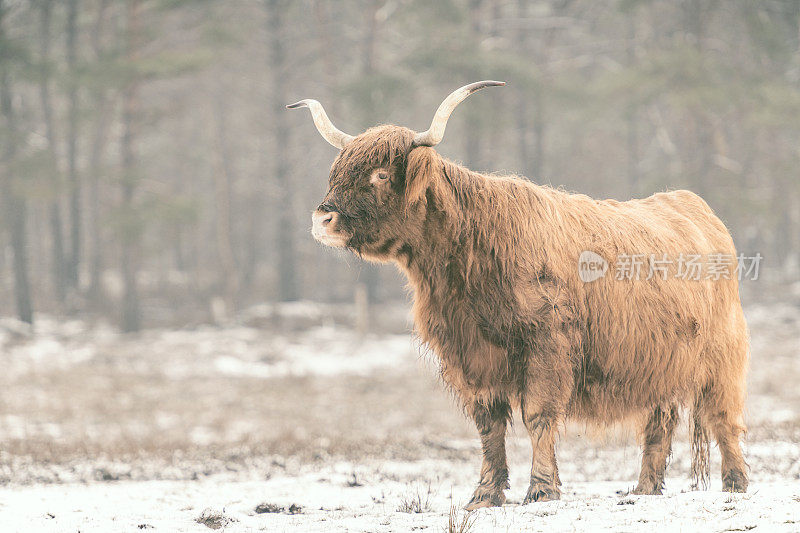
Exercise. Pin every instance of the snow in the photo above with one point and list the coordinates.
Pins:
(328, 502)
(202, 351)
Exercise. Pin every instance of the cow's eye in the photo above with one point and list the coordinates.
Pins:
(379, 176)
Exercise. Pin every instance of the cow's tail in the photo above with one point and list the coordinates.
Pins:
(700, 448)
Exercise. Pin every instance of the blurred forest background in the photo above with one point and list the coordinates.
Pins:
(149, 172)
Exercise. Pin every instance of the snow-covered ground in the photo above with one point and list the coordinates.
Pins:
(323, 502)
(321, 430)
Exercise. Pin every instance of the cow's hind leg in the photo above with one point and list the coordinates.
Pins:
(491, 421)
(721, 411)
(657, 447)
(734, 473)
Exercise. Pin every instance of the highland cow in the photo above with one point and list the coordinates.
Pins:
(493, 263)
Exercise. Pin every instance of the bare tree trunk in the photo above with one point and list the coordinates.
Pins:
(792, 188)
(696, 15)
(539, 132)
(523, 92)
(15, 206)
(287, 260)
(327, 47)
(229, 281)
(131, 314)
(56, 227)
(474, 133)
(73, 263)
(99, 137)
(632, 119)
(540, 102)
(95, 163)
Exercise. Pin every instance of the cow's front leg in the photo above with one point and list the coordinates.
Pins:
(491, 421)
(548, 386)
(545, 483)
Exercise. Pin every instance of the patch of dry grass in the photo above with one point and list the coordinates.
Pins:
(460, 522)
(416, 502)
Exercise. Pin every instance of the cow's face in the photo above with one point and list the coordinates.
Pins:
(363, 208)
(372, 182)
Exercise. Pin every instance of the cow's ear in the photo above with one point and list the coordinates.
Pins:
(419, 173)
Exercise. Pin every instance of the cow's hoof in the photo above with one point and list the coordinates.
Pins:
(483, 498)
(541, 494)
(647, 489)
(734, 481)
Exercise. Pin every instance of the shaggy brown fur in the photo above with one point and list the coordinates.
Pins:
(493, 263)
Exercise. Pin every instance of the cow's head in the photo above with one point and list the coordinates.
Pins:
(375, 179)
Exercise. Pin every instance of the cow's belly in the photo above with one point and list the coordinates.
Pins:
(609, 387)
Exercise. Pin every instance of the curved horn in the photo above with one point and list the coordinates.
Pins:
(434, 135)
(336, 137)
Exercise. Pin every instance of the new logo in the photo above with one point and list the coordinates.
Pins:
(591, 266)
